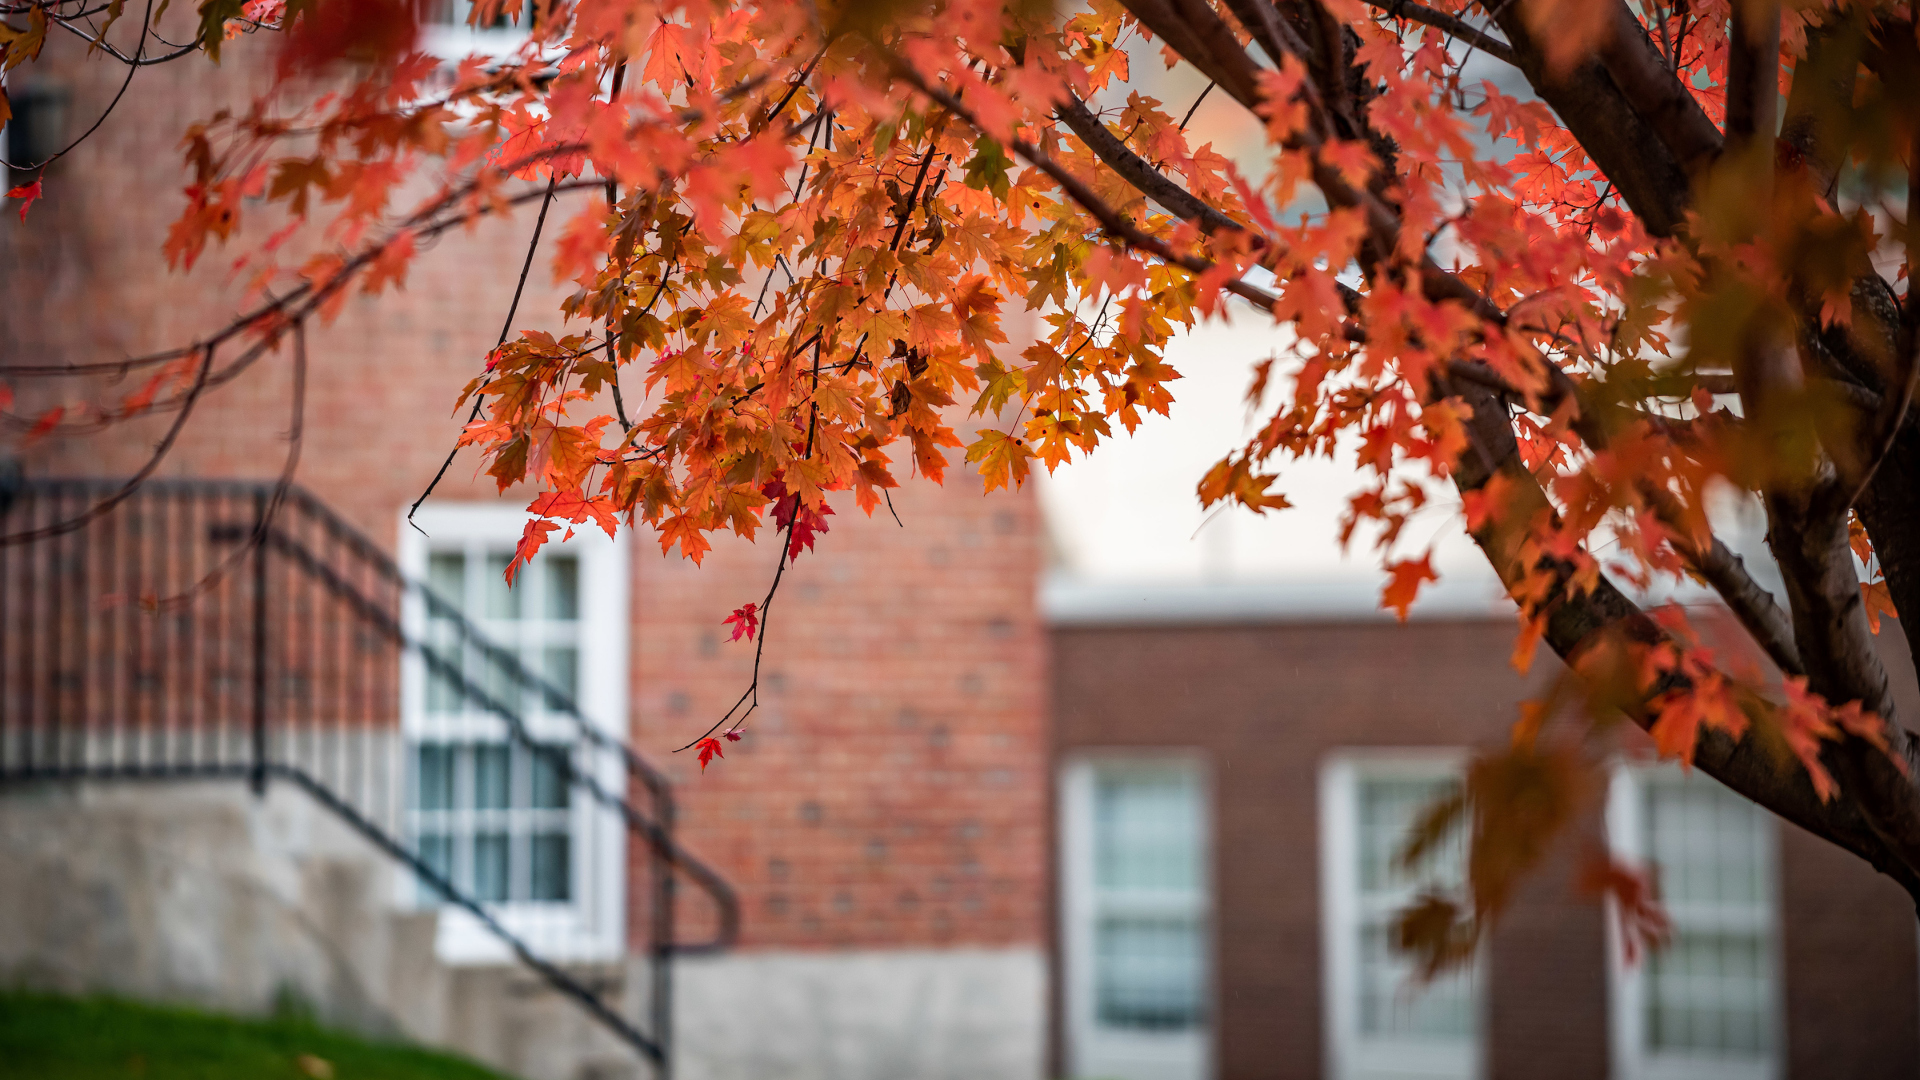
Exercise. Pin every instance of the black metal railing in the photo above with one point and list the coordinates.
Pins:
(222, 629)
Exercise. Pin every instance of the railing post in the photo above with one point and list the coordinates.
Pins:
(662, 932)
(260, 642)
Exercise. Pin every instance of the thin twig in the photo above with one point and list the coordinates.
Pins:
(506, 327)
(101, 508)
(1196, 105)
(295, 436)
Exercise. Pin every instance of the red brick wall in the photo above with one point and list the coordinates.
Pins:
(85, 281)
(890, 789)
(1267, 703)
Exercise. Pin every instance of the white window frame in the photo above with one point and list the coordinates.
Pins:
(1627, 984)
(1093, 1049)
(457, 40)
(591, 925)
(1350, 1055)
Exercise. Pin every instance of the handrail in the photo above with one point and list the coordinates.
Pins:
(172, 702)
(718, 890)
(722, 894)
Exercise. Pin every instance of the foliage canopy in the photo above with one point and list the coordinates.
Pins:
(797, 233)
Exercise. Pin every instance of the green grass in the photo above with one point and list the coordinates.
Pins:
(55, 1038)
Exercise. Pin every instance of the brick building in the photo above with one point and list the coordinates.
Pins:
(1288, 768)
(970, 835)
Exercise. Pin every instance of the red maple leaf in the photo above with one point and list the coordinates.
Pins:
(733, 734)
(26, 193)
(710, 749)
(789, 510)
(744, 620)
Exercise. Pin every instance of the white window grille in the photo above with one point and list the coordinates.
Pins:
(1382, 1020)
(1707, 1006)
(497, 817)
(1135, 902)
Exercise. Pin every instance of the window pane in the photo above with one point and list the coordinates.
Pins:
(436, 850)
(490, 777)
(433, 780)
(1387, 812)
(490, 867)
(445, 675)
(502, 602)
(1707, 842)
(1147, 833)
(1148, 972)
(1705, 993)
(1709, 992)
(502, 684)
(549, 788)
(1394, 1003)
(552, 879)
(563, 587)
(447, 580)
(447, 576)
(561, 668)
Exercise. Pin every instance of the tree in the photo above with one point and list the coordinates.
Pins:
(799, 228)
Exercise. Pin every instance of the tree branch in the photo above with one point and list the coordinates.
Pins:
(1654, 91)
(1580, 622)
(1450, 24)
(1649, 173)
(1197, 32)
(1136, 171)
(1753, 71)
(1111, 221)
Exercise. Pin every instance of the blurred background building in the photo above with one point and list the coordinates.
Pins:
(1071, 782)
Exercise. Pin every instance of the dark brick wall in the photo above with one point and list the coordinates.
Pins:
(1266, 703)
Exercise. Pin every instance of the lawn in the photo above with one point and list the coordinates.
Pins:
(55, 1038)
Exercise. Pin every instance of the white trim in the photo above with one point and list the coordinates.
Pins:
(1626, 985)
(592, 924)
(1072, 601)
(1093, 1049)
(1350, 1056)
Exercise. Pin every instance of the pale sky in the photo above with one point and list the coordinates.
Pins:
(1128, 517)
(1128, 513)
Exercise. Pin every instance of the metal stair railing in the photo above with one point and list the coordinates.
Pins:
(213, 629)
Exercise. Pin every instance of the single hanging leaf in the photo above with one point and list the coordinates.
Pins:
(744, 620)
(1404, 586)
(710, 749)
(26, 193)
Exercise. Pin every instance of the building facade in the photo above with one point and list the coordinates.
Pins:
(1290, 769)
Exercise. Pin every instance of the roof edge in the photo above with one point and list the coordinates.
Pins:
(1069, 601)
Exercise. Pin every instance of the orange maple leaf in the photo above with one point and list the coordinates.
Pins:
(1406, 577)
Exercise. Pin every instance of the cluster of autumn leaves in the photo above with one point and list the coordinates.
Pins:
(798, 236)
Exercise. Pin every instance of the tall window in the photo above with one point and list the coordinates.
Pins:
(1383, 1021)
(495, 816)
(1707, 1005)
(1135, 902)
(446, 31)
